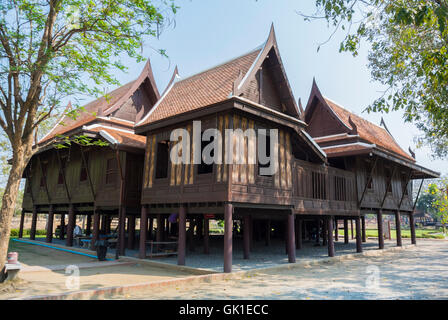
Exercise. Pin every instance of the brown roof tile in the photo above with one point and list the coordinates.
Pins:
(203, 89)
(369, 131)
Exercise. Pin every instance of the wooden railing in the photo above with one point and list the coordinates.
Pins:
(322, 182)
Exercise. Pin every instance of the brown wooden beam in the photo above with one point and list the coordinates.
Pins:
(143, 228)
(389, 182)
(329, 222)
(62, 227)
(363, 225)
(33, 224)
(22, 222)
(86, 165)
(63, 176)
(70, 226)
(131, 232)
(358, 234)
(405, 188)
(412, 225)
(45, 179)
(228, 230)
(336, 229)
(49, 237)
(291, 239)
(345, 231)
(398, 228)
(418, 195)
(182, 239)
(380, 229)
(89, 225)
(96, 228)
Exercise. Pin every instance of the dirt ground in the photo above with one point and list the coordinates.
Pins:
(417, 273)
(50, 282)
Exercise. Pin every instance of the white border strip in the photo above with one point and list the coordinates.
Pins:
(352, 144)
(108, 137)
(99, 125)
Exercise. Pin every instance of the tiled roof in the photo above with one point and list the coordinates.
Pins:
(369, 131)
(203, 89)
(355, 148)
(87, 115)
(124, 138)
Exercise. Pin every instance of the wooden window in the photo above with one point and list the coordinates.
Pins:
(111, 171)
(162, 161)
(43, 178)
(340, 188)
(62, 170)
(204, 168)
(319, 185)
(268, 154)
(84, 167)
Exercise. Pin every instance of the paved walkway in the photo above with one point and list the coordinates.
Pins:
(416, 273)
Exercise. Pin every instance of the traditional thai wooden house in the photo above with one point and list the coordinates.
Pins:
(251, 91)
(384, 171)
(100, 182)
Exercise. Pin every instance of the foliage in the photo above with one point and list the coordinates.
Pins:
(440, 192)
(425, 203)
(408, 55)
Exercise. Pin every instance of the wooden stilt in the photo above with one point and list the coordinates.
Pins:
(228, 230)
(380, 229)
(329, 222)
(358, 234)
(151, 228)
(70, 226)
(131, 232)
(246, 237)
(291, 239)
(33, 224)
(62, 227)
(143, 228)
(412, 226)
(96, 228)
(190, 235)
(336, 230)
(351, 227)
(89, 225)
(50, 220)
(159, 228)
(22, 222)
(345, 231)
(122, 231)
(363, 222)
(181, 244)
(206, 236)
(398, 228)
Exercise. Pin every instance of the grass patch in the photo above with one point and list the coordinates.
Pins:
(405, 233)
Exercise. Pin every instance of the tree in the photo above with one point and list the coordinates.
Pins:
(440, 192)
(408, 55)
(47, 49)
(425, 203)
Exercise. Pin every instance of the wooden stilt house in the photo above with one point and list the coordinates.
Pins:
(99, 183)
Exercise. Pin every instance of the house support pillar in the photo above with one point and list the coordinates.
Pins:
(291, 239)
(22, 222)
(329, 223)
(96, 228)
(398, 228)
(33, 224)
(206, 235)
(182, 240)
(131, 231)
(336, 230)
(345, 231)
(143, 232)
(412, 225)
(324, 232)
(50, 220)
(70, 226)
(358, 234)
(228, 230)
(380, 229)
(364, 235)
(89, 225)
(62, 227)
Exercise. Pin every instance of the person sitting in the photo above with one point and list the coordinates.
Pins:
(77, 232)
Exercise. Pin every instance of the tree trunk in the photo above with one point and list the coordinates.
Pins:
(9, 201)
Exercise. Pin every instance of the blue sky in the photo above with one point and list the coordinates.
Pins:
(209, 32)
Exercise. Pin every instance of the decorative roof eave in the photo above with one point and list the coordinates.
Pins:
(271, 43)
(145, 74)
(315, 92)
(174, 79)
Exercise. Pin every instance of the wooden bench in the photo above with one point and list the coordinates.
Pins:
(161, 252)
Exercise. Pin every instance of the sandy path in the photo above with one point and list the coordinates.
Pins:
(418, 273)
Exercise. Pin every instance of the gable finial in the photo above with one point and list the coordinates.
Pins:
(302, 112)
(353, 125)
(411, 152)
(383, 123)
